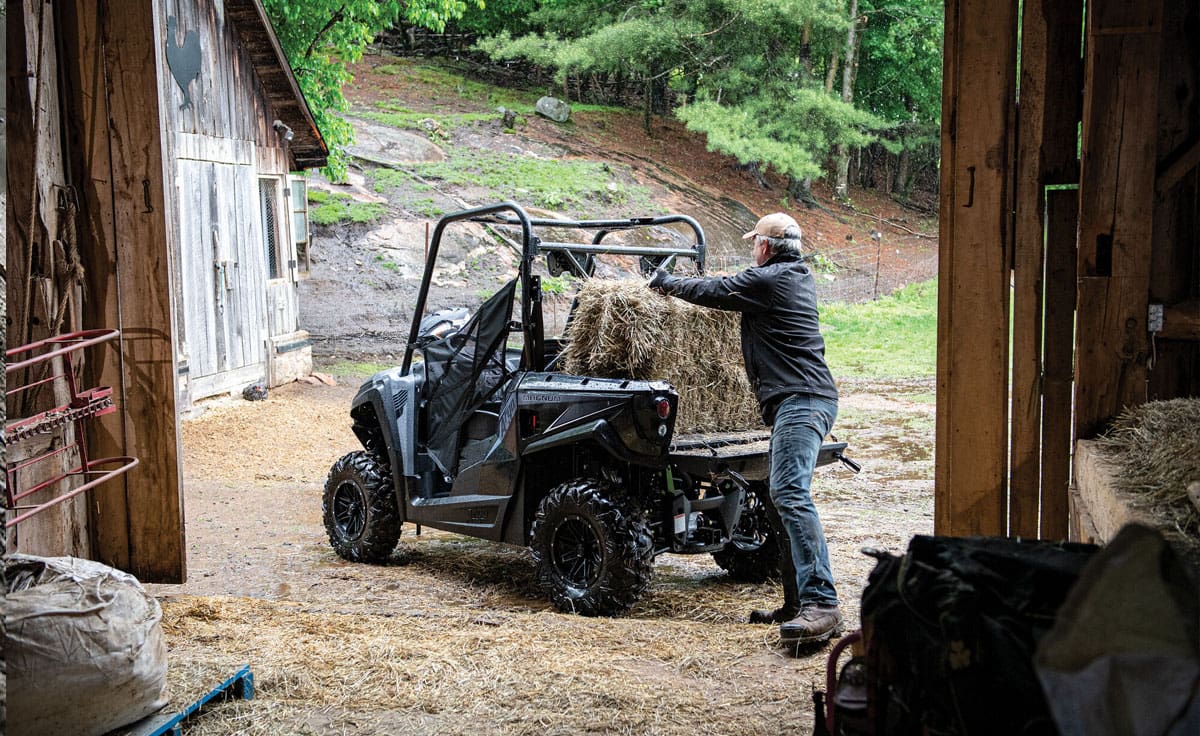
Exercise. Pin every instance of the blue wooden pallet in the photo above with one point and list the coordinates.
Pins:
(240, 685)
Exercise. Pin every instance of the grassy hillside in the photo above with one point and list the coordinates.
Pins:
(893, 337)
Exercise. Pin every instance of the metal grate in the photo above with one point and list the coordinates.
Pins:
(266, 195)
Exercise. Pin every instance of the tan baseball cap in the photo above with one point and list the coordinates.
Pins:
(776, 225)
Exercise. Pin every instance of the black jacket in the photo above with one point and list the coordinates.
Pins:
(781, 339)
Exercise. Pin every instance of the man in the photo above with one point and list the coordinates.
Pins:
(785, 361)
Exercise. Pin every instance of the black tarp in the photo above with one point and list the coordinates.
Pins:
(950, 630)
(462, 370)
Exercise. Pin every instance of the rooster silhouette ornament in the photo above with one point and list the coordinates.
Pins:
(184, 60)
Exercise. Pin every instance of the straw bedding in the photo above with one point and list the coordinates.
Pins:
(1156, 449)
(462, 670)
(621, 329)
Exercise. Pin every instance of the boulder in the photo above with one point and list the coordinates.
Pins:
(553, 108)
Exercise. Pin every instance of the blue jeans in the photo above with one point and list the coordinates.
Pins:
(801, 424)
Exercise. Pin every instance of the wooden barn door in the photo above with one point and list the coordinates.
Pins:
(222, 269)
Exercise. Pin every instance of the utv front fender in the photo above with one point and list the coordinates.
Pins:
(389, 399)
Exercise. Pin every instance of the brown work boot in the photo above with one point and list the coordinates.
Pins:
(815, 622)
(778, 616)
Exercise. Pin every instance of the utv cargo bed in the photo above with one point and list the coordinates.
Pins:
(747, 453)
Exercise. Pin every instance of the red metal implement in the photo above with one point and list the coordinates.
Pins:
(82, 406)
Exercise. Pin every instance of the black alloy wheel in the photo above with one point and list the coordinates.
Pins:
(592, 555)
(359, 509)
(752, 555)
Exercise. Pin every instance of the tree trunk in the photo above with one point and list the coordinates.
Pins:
(647, 101)
(841, 189)
(801, 191)
(831, 73)
(806, 66)
(902, 176)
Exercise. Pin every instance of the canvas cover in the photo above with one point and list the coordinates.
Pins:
(84, 647)
(1124, 654)
(463, 370)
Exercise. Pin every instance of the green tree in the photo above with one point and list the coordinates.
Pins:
(322, 37)
(778, 84)
(900, 77)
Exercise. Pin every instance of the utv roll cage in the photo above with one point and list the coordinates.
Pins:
(578, 259)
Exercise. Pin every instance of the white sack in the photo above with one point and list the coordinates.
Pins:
(85, 649)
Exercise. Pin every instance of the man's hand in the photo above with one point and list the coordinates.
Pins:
(657, 279)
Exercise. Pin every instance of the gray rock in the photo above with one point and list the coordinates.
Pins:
(391, 146)
(553, 108)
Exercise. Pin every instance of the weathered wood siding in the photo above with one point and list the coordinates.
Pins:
(222, 145)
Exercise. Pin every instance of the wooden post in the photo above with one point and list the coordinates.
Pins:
(1175, 260)
(1049, 109)
(138, 527)
(1116, 208)
(1062, 217)
(979, 79)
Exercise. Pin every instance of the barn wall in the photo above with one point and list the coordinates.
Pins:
(40, 302)
(112, 128)
(223, 148)
(1088, 245)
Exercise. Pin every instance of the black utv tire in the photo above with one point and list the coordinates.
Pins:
(592, 556)
(752, 556)
(359, 507)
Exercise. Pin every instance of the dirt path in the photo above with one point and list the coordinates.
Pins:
(452, 635)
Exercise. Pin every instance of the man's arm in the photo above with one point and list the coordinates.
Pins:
(746, 291)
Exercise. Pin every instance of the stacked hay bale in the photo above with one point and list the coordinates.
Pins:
(1155, 448)
(621, 329)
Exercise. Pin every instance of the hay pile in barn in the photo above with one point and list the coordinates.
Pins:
(1155, 448)
(621, 329)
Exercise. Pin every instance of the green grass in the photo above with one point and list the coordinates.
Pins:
(333, 207)
(357, 369)
(893, 337)
(424, 207)
(402, 118)
(445, 80)
(574, 185)
(386, 263)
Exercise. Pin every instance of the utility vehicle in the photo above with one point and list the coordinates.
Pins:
(485, 437)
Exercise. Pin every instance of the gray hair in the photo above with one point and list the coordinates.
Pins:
(789, 244)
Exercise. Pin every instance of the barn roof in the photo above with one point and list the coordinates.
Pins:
(307, 148)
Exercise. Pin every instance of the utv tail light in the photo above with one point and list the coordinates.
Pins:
(663, 407)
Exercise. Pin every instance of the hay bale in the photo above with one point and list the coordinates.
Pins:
(621, 329)
(1156, 450)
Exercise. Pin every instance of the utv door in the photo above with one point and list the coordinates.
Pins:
(467, 421)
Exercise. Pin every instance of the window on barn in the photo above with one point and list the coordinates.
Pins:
(298, 196)
(268, 203)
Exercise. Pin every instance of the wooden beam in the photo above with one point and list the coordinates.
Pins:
(979, 81)
(139, 528)
(1178, 165)
(1062, 218)
(1181, 321)
(1048, 115)
(1116, 210)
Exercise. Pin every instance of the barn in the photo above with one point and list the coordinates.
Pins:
(157, 154)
